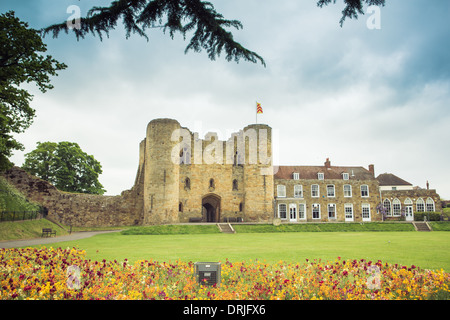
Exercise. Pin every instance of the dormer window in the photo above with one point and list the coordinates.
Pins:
(320, 176)
(296, 176)
(345, 176)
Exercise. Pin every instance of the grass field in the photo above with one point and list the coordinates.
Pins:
(424, 249)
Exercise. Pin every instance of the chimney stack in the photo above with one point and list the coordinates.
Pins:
(428, 185)
(327, 163)
(372, 169)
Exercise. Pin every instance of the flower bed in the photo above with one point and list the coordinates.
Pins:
(50, 273)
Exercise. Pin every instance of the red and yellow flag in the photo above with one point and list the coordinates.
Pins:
(258, 108)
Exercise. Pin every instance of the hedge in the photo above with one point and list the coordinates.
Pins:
(431, 216)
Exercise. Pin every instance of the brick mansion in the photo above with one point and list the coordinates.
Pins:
(182, 178)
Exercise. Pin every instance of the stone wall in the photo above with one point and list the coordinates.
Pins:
(76, 209)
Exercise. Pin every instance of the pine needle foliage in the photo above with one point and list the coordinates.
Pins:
(209, 28)
(352, 7)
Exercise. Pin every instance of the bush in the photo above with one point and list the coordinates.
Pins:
(431, 216)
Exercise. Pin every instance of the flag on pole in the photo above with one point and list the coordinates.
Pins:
(258, 108)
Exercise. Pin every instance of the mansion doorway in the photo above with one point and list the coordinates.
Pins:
(211, 208)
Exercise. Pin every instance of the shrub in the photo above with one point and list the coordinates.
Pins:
(431, 216)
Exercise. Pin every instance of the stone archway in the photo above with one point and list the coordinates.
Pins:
(211, 208)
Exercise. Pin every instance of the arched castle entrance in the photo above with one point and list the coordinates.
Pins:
(211, 208)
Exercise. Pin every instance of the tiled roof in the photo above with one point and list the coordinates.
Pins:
(333, 172)
(389, 179)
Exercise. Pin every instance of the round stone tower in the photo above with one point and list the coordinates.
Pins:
(258, 173)
(162, 170)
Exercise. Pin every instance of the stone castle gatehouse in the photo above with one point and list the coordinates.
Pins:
(183, 178)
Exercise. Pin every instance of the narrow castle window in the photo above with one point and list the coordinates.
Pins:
(187, 184)
(180, 207)
(185, 156)
(241, 207)
(235, 185)
(211, 183)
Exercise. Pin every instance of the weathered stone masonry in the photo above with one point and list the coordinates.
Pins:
(76, 209)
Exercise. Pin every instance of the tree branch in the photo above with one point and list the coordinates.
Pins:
(181, 16)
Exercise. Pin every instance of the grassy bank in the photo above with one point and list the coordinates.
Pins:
(440, 225)
(17, 230)
(12, 200)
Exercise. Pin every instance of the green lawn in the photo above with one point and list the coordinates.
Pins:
(424, 249)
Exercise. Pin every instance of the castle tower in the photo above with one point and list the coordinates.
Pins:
(161, 187)
(258, 173)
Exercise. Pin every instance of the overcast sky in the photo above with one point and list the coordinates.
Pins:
(356, 95)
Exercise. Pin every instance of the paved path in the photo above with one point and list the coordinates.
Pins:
(39, 241)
